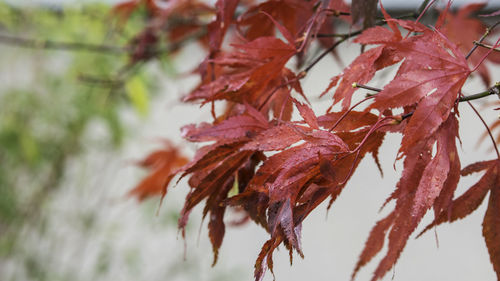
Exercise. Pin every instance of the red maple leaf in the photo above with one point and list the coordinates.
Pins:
(427, 181)
(468, 202)
(253, 71)
(430, 77)
(282, 168)
(163, 164)
(364, 67)
(463, 30)
(216, 167)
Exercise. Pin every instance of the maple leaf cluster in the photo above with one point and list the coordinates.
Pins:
(281, 169)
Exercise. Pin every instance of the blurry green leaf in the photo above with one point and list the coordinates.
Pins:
(114, 125)
(103, 260)
(8, 203)
(29, 148)
(137, 92)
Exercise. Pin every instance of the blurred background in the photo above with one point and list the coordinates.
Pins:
(75, 119)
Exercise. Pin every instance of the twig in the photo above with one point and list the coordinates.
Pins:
(343, 37)
(336, 13)
(327, 51)
(486, 33)
(404, 16)
(494, 90)
(66, 46)
(491, 91)
(326, 35)
(99, 81)
(382, 21)
(486, 46)
(497, 44)
(356, 85)
(94, 48)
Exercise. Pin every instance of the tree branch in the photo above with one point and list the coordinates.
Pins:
(346, 36)
(493, 90)
(486, 46)
(95, 48)
(486, 33)
(327, 51)
(66, 46)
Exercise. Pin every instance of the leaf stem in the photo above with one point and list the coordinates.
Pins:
(375, 127)
(347, 112)
(379, 124)
(487, 128)
(423, 8)
(268, 98)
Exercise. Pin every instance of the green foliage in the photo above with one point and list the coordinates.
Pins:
(138, 94)
(47, 108)
(60, 94)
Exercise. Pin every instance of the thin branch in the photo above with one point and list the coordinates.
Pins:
(336, 13)
(327, 35)
(65, 46)
(491, 91)
(357, 85)
(486, 33)
(94, 48)
(494, 90)
(343, 37)
(486, 46)
(382, 21)
(327, 51)
(106, 82)
(404, 16)
(407, 115)
(487, 54)
(120, 76)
